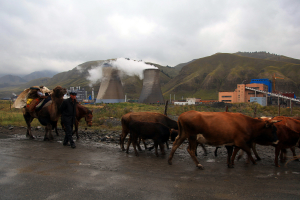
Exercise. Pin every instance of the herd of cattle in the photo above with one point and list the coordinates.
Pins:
(235, 131)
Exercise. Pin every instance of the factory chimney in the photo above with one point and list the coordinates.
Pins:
(111, 90)
(151, 92)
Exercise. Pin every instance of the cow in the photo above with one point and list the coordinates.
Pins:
(148, 130)
(145, 117)
(231, 129)
(288, 132)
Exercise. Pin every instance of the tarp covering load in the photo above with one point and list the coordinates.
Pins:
(24, 98)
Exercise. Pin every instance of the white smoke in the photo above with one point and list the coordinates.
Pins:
(127, 66)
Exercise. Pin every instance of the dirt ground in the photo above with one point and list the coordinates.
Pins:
(98, 169)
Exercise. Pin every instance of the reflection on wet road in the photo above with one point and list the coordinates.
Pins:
(34, 169)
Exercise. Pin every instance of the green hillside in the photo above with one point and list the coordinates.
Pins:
(205, 77)
(200, 78)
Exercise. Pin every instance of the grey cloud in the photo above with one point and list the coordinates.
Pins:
(55, 34)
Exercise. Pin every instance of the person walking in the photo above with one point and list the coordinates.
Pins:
(68, 114)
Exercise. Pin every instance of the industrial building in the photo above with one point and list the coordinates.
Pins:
(111, 89)
(260, 91)
(151, 91)
(241, 94)
(81, 93)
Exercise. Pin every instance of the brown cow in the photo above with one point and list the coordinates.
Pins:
(144, 117)
(288, 132)
(221, 129)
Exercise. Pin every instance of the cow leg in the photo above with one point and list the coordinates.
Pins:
(229, 153)
(128, 144)
(139, 147)
(247, 149)
(162, 148)
(294, 153)
(191, 149)
(277, 151)
(122, 138)
(235, 151)
(134, 143)
(178, 141)
(156, 146)
(216, 151)
(204, 149)
(167, 144)
(255, 152)
(282, 155)
(240, 154)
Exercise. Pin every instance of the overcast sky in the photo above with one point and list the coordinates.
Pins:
(61, 34)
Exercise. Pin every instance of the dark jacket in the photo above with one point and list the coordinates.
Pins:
(68, 111)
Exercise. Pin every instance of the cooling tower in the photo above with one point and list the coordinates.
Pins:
(111, 90)
(151, 92)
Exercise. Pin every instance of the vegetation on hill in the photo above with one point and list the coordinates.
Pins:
(200, 78)
(222, 72)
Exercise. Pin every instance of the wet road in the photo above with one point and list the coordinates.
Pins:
(34, 169)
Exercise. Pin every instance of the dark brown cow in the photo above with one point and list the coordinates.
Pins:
(288, 130)
(221, 129)
(148, 130)
(144, 117)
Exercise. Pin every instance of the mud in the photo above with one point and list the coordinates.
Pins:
(98, 169)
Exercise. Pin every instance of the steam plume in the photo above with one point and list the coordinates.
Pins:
(127, 66)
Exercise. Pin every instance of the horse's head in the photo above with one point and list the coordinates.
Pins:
(59, 92)
(89, 118)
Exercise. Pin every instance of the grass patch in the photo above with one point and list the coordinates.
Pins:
(102, 112)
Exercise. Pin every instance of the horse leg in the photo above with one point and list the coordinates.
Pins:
(76, 129)
(229, 154)
(192, 148)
